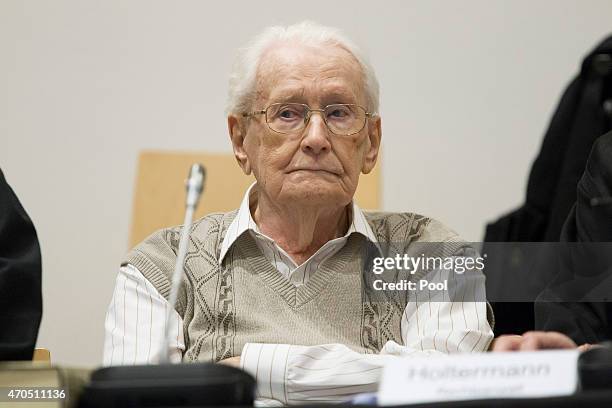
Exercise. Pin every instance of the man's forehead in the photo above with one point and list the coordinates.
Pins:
(288, 88)
(285, 68)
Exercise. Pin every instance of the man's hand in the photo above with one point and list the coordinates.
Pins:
(534, 340)
(232, 361)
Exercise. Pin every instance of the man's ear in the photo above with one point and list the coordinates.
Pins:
(371, 153)
(237, 132)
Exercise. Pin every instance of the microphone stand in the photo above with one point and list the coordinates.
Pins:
(195, 186)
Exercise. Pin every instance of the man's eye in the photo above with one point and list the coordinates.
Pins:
(338, 113)
(288, 114)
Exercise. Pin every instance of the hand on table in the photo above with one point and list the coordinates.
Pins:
(535, 340)
(232, 361)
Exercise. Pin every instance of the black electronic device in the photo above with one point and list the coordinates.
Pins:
(168, 385)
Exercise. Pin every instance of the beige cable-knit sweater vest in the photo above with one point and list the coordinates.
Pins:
(245, 299)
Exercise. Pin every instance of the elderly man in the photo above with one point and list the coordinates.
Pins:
(276, 286)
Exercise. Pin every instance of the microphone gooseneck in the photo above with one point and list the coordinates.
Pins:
(194, 186)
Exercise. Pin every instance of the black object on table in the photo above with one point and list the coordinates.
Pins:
(169, 385)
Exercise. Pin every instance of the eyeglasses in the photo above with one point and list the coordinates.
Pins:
(343, 119)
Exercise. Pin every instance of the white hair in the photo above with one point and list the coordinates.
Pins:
(243, 80)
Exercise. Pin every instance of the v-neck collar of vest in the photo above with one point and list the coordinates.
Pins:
(297, 296)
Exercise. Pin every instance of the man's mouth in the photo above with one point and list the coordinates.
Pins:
(314, 169)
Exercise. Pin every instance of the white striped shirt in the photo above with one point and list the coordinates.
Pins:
(292, 374)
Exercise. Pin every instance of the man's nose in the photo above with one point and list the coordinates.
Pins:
(316, 139)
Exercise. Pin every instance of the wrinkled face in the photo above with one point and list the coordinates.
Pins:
(313, 167)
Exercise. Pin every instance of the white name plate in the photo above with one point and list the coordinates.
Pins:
(479, 376)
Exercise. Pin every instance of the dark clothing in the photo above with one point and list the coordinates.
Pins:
(583, 114)
(20, 279)
(585, 267)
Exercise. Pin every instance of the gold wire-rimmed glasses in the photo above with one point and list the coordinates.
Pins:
(342, 119)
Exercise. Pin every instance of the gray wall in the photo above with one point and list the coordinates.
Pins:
(467, 90)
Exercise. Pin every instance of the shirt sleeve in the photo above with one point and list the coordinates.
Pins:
(434, 323)
(453, 320)
(135, 322)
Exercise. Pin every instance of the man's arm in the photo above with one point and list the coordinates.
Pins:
(135, 321)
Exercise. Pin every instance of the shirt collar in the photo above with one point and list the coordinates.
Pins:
(244, 222)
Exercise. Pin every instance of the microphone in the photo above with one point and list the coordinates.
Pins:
(194, 185)
(177, 385)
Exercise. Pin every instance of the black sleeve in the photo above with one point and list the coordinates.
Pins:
(578, 301)
(583, 322)
(20, 279)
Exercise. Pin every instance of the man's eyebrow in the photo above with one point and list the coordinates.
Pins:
(297, 95)
(339, 96)
(287, 94)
